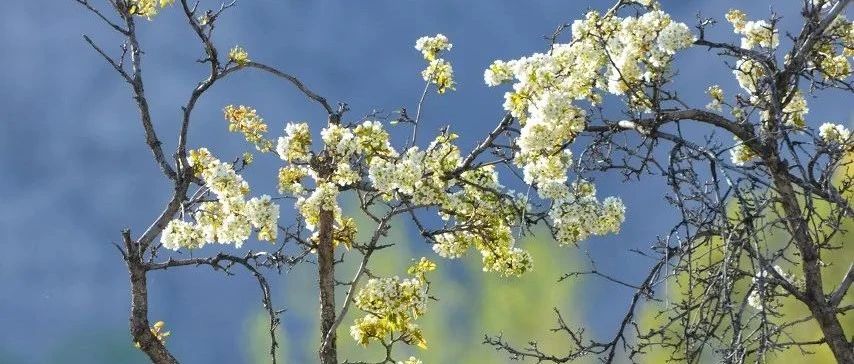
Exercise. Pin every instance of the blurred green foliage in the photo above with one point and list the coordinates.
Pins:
(95, 346)
(470, 303)
(837, 265)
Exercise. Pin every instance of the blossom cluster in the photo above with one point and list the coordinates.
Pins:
(498, 72)
(373, 141)
(830, 58)
(642, 49)
(290, 180)
(392, 305)
(482, 219)
(239, 56)
(398, 175)
(159, 332)
(717, 95)
(607, 55)
(227, 220)
(581, 215)
(245, 120)
(764, 291)
(754, 32)
(795, 110)
(344, 146)
(419, 175)
(147, 8)
(439, 71)
(479, 215)
(431, 47)
(833, 50)
(295, 145)
(740, 153)
(749, 73)
(835, 66)
(323, 198)
(834, 133)
(498, 255)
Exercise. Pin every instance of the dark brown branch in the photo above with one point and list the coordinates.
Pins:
(840, 291)
(216, 262)
(98, 13)
(116, 65)
(142, 102)
(296, 82)
(139, 324)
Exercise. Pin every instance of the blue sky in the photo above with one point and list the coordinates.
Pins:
(76, 171)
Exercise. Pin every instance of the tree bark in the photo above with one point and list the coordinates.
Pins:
(324, 167)
(821, 308)
(139, 325)
(326, 282)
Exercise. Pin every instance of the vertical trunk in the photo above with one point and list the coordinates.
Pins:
(134, 251)
(833, 333)
(328, 352)
(820, 307)
(139, 325)
(326, 282)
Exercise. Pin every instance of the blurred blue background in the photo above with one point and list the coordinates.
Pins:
(75, 169)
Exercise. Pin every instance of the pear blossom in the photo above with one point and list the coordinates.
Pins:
(834, 133)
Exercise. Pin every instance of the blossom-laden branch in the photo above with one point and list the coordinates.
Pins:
(776, 159)
(184, 174)
(777, 171)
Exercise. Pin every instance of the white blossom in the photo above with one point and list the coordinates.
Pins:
(263, 214)
(324, 198)
(227, 220)
(675, 36)
(763, 288)
(795, 110)
(181, 234)
(340, 140)
(578, 218)
(430, 47)
(740, 153)
(498, 72)
(748, 73)
(759, 33)
(295, 144)
(834, 133)
(451, 246)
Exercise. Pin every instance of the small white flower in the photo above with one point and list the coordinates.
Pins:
(834, 133)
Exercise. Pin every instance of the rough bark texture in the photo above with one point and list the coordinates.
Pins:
(326, 282)
(821, 308)
(328, 352)
(139, 325)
